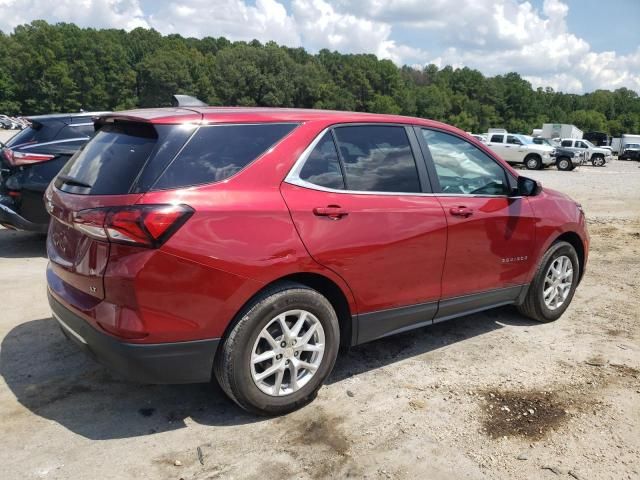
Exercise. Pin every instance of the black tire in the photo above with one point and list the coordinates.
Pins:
(564, 164)
(598, 161)
(232, 364)
(533, 162)
(534, 306)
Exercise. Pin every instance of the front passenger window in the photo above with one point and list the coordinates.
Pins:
(464, 169)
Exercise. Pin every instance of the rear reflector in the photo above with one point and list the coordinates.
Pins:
(144, 225)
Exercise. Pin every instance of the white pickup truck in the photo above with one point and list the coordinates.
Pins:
(515, 149)
(596, 155)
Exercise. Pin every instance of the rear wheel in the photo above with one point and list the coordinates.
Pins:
(280, 351)
(598, 161)
(553, 285)
(533, 162)
(564, 164)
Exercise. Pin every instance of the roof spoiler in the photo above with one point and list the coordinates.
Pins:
(187, 101)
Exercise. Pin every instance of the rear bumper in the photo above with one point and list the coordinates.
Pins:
(12, 219)
(180, 362)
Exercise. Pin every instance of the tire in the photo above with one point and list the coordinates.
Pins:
(233, 365)
(564, 164)
(533, 162)
(534, 305)
(598, 161)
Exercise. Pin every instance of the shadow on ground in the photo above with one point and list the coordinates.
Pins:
(15, 244)
(53, 379)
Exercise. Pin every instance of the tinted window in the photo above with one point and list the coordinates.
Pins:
(566, 143)
(322, 167)
(377, 159)
(36, 133)
(513, 140)
(462, 168)
(497, 138)
(111, 161)
(75, 131)
(216, 153)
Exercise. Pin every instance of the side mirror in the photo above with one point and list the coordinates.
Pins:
(527, 187)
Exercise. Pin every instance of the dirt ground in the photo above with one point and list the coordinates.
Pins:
(489, 396)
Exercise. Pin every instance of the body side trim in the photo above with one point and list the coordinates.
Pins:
(374, 325)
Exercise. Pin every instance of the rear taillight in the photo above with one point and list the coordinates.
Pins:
(15, 159)
(144, 225)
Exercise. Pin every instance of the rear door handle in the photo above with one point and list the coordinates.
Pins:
(461, 211)
(334, 212)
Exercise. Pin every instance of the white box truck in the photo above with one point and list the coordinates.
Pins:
(560, 130)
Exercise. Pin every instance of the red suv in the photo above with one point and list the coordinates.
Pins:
(251, 243)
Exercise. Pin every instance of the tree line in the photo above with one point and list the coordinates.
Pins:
(48, 68)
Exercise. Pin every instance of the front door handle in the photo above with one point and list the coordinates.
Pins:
(334, 212)
(461, 211)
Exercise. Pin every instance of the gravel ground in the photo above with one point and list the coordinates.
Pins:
(489, 396)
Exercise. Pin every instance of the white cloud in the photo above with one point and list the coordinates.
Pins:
(493, 36)
(234, 19)
(125, 14)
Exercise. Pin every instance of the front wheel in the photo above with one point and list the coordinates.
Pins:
(533, 162)
(564, 164)
(280, 351)
(553, 285)
(598, 161)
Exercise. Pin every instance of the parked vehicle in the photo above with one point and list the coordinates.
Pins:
(596, 155)
(626, 139)
(560, 130)
(520, 149)
(250, 243)
(599, 139)
(30, 160)
(615, 145)
(631, 152)
(567, 160)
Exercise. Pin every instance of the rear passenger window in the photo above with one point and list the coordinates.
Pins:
(377, 158)
(75, 131)
(217, 152)
(497, 138)
(322, 167)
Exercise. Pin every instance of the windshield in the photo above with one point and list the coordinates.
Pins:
(542, 141)
(526, 140)
(632, 145)
(589, 144)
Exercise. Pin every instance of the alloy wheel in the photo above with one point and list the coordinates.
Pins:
(557, 282)
(287, 353)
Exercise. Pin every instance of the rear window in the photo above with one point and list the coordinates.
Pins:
(111, 161)
(76, 131)
(36, 133)
(217, 152)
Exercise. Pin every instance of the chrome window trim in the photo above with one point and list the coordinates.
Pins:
(53, 142)
(293, 177)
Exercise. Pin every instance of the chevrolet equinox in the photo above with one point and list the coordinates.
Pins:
(249, 244)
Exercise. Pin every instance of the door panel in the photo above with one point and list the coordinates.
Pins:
(490, 234)
(390, 249)
(490, 248)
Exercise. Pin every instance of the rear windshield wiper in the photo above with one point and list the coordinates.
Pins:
(73, 181)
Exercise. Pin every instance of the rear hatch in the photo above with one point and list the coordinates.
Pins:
(103, 233)
(101, 184)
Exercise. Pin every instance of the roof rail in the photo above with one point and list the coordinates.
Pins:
(187, 101)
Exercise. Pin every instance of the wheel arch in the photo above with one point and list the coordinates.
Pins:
(575, 241)
(322, 284)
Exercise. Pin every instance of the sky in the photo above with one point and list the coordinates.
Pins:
(572, 46)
